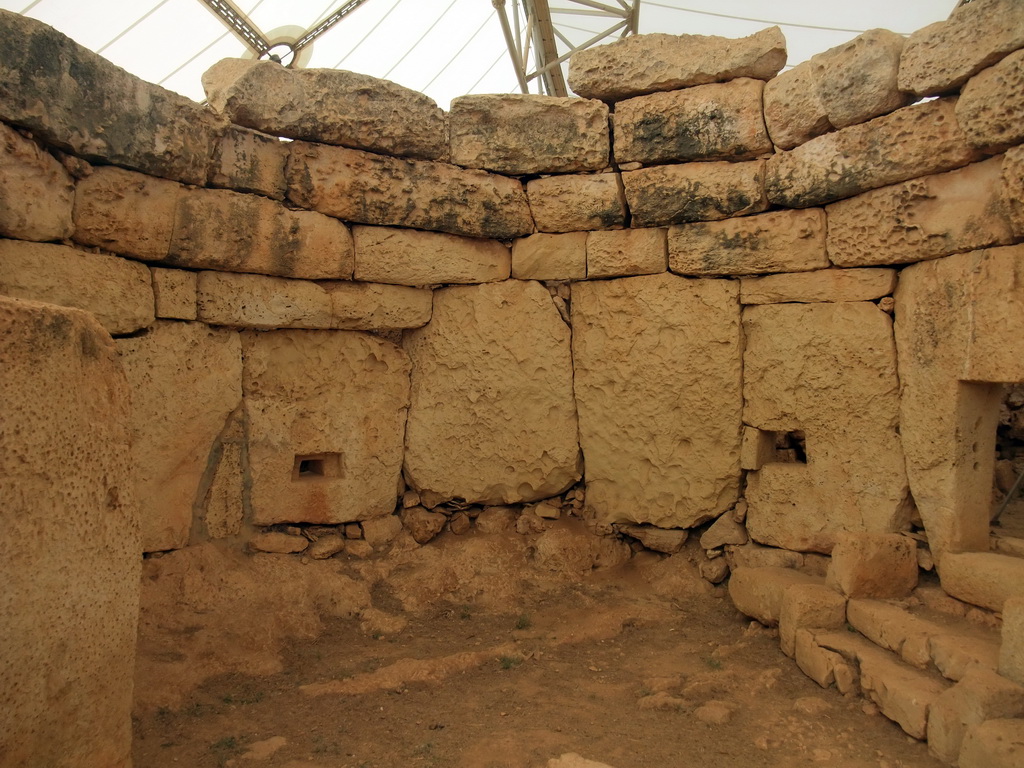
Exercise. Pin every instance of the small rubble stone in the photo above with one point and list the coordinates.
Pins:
(423, 524)
(628, 252)
(941, 57)
(793, 108)
(325, 547)
(459, 523)
(549, 510)
(828, 285)
(174, 291)
(358, 548)
(550, 257)
(993, 744)
(981, 695)
(410, 498)
(381, 531)
(759, 592)
(575, 203)
(496, 519)
(715, 570)
(714, 712)
(530, 522)
(667, 540)
(991, 106)
(36, 192)
(739, 512)
(809, 606)
(521, 134)
(877, 565)
(353, 531)
(411, 257)
(857, 80)
(332, 106)
(263, 750)
(641, 64)
(249, 161)
(725, 530)
(719, 121)
(752, 555)
(780, 241)
(674, 194)
(277, 542)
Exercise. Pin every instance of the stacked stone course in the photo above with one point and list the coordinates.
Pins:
(703, 291)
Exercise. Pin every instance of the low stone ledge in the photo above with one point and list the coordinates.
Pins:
(249, 161)
(411, 257)
(982, 695)
(779, 241)
(372, 189)
(921, 219)
(80, 102)
(827, 285)
(719, 121)
(941, 57)
(991, 106)
(982, 578)
(760, 592)
(642, 64)
(328, 105)
(861, 158)
(674, 194)
(116, 291)
(577, 203)
(529, 133)
(36, 193)
(793, 108)
(625, 252)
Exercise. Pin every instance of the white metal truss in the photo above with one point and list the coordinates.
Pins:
(537, 39)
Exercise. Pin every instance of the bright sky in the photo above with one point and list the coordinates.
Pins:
(444, 48)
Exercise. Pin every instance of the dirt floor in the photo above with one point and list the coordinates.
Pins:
(609, 666)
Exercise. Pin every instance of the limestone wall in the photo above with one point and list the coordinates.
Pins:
(701, 288)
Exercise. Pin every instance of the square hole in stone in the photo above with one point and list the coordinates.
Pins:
(317, 466)
(791, 447)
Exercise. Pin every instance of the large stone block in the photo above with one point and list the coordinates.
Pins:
(493, 419)
(328, 105)
(875, 565)
(660, 433)
(827, 371)
(719, 121)
(233, 232)
(626, 252)
(673, 194)
(36, 192)
(70, 558)
(255, 301)
(577, 203)
(126, 212)
(642, 64)
(780, 241)
(981, 695)
(249, 161)
(921, 219)
(859, 158)
(760, 593)
(987, 579)
(371, 189)
(941, 57)
(78, 101)
(991, 106)
(327, 415)
(185, 381)
(808, 606)
(793, 108)
(857, 80)
(550, 257)
(995, 743)
(529, 133)
(820, 285)
(411, 257)
(1013, 189)
(117, 292)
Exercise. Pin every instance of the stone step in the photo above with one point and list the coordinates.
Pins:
(982, 578)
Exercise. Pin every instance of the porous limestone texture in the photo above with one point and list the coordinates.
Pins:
(991, 106)
(329, 105)
(660, 433)
(793, 108)
(861, 157)
(230, 231)
(995, 743)
(874, 565)
(642, 64)
(117, 292)
(857, 80)
(410, 257)
(492, 419)
(808, 606)
(958, 321)
(760, 592)
(820, 285)
(69, 560)
(221, 508)
(550, 257)
(574, 203)
(942, 56)
(719, 121)
(1011, 650)
(921, 219)
(185, 381)
(80, 102)
(371, 189)
(326, 416)
(255, 301)
(981, 695)
(780, 241)
(528, 133)
(828, 370)
(1013, 189)
(36, 192)
(988, 579)
(626, 252)
(673, 194)
(126, 212)
(174, 291)
(249, 161)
